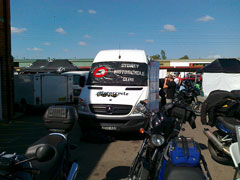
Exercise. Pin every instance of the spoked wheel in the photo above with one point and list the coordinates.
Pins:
(197, 106)
(217, 155)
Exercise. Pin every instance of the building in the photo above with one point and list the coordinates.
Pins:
(170, 64)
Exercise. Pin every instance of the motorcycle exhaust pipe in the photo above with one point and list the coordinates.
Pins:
(215, 141)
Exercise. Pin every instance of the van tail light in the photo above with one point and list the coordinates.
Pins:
(37, 100)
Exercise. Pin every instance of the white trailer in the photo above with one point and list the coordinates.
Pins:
(43, 89)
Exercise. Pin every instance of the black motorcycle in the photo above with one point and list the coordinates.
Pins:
(49, 157)
(189, 96)
(223, 111)
(161, 129)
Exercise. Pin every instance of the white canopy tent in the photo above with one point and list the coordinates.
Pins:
(220, 81)
(221, 74)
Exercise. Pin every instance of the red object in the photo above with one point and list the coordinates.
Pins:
(192, 77)
(100, 72)
(142, 131)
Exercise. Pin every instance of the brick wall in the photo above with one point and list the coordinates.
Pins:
(6, 61)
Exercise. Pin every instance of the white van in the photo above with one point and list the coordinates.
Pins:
(76, 78)
(118, 80)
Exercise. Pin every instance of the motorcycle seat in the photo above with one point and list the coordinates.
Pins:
(183, 173)
(49, 168)
(228, 122)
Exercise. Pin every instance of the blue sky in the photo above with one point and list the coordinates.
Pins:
(81, 28)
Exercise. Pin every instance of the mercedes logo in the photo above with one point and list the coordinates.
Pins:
(109, 109)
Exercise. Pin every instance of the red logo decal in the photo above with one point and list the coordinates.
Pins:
(100, 72)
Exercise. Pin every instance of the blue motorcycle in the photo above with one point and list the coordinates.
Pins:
(49, 157)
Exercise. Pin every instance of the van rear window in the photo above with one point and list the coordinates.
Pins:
(118, 73)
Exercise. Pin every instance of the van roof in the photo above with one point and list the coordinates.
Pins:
(121, 55)
(76, 72)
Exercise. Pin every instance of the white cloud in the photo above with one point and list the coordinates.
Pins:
(131, 34)
(47, 43)
(216, 56)
(91, 11)
(60, 30)
(87, 36)
(169, 27)
(81, 43)
(34, 49)
(65, 50)
(206, 18)
(18, 30)
(149, 41)
(80, 11)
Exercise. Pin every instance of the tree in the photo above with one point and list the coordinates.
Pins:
(184, 57)
(163, 54)
(157, 56)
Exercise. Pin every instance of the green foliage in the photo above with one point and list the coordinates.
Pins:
(157, 56)
(163, 54)
(184, 57)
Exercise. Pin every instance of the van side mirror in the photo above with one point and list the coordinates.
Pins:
(82, 81)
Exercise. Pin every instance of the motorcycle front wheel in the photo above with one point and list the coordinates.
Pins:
(141, 172)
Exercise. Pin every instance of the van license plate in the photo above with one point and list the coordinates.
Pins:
(110, 128)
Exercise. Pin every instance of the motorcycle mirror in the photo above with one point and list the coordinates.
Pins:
(82, 80)
(44, 153)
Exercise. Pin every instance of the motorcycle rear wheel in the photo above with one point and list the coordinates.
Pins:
(218, 156)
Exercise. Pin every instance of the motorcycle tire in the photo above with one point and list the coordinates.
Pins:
(197, 106)
(141, 172)
(217, 155)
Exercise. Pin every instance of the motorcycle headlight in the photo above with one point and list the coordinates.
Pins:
(82, 106)
(157, 140)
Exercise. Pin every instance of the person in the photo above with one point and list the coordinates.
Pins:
(162, 93)
(177, 80)
(170, 87)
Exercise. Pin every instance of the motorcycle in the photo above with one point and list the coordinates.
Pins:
(161, 129)
(220, 140)
(49, 157)
(235, 153)
(188, 95)
(222, 110)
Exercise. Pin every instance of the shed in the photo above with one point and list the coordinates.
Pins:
(221, 74)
